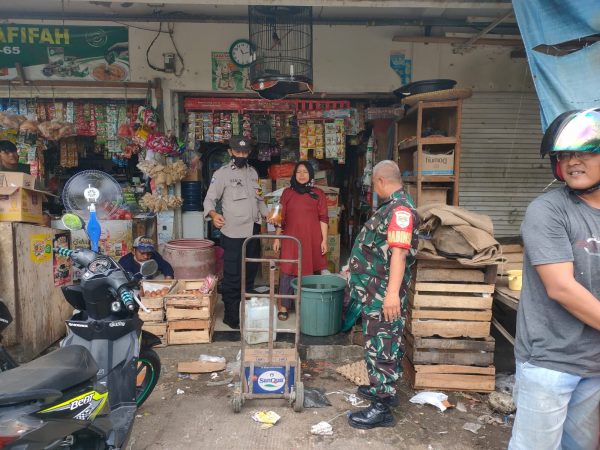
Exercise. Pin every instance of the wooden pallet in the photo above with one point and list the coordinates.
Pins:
(159, 329)
(155, 315)
(448, 377)
(471, 352)
(451, 300)
(189, 335)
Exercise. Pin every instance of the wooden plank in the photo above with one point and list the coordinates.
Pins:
(447, 381)
(200, 366)
(450, 329)
(153, 302)
(449, 301)
(483, 345)
(513, 257)
(451, 314)
(449, 351)
(186, 301)
(454, 369)
(155, 315)
(451, 287)
(8, 288)
(511, 248)
(40, 306)
(186, 313)
(176, 337)
(449, 275)
(476, 383)
(192, 324)
(157, 328)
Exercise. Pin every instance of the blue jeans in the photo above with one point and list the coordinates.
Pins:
(555, 410)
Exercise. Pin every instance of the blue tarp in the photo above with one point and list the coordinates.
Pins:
(564, 82)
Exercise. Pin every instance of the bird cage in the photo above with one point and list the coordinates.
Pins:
(281, 38)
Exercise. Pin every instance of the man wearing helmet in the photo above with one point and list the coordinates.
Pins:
(557, 350)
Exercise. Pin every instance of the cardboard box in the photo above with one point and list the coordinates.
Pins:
(17, 179)
(18, 204)
(321, 178)
(332, 194)
(334, 225)
(430, 195)
(435, 163)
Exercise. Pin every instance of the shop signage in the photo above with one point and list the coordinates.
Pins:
(227, 76)
(64, 52)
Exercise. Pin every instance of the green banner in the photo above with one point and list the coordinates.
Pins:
(64, 52)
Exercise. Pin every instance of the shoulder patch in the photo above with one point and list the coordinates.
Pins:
(402, 217)
(213, 179)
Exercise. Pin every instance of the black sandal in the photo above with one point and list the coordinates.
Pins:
(282, 315)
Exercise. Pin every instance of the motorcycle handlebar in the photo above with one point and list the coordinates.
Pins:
(127, 299)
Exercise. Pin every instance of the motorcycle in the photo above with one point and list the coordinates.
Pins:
(85, 394)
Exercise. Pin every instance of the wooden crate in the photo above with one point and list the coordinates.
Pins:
(513, 254)
(451, 300)
(159, 329)
(178, 336)
(449, 377)
(156, 305)
(182, 304)
(472, 352)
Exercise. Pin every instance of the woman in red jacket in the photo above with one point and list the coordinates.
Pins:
(304, 216)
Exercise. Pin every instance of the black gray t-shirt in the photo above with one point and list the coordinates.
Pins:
(559, 227)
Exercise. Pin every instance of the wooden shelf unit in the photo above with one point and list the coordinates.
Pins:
(409, 141)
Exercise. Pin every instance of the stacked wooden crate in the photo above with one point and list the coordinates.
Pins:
(190, 313)
(447, 333)
(152, 296)
(513, 255)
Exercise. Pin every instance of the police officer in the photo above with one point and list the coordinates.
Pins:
(380, 271)
(236, 186)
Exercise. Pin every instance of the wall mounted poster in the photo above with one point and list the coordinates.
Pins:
(226, 76)
(64, 52)
(402, 66)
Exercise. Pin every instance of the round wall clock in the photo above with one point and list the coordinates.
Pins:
(240, 53)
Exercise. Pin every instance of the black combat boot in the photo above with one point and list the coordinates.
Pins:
(364, 392)
(377, 415)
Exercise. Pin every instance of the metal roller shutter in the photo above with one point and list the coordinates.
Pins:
(501, 168)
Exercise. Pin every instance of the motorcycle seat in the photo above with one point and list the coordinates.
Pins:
(56, 371)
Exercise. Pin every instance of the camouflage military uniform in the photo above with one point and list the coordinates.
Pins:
(369, 273)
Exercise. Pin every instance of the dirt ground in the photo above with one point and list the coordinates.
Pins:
(202, 418)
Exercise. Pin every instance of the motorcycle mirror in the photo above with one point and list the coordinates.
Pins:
(148, 268)
(73, 222)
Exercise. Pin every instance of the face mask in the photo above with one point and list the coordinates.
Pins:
(240, 161)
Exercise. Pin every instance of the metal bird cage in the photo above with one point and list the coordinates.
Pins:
(281, 37)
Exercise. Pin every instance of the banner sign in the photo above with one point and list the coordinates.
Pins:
(64, 52)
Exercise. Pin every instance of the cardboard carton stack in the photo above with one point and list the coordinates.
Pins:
(333, 240)
(20, 201)
(152, 296)
(190, 313)
(447, 332)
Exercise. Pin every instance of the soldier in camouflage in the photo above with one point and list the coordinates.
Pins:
(380, 272)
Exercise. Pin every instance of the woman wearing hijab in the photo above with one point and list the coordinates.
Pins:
(305, 217)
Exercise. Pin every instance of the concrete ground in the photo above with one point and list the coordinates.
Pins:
(202, 418)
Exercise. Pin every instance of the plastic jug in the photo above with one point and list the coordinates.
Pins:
(515, 279)
(256, 315)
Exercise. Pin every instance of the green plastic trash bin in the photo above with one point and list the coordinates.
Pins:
(321, 302)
